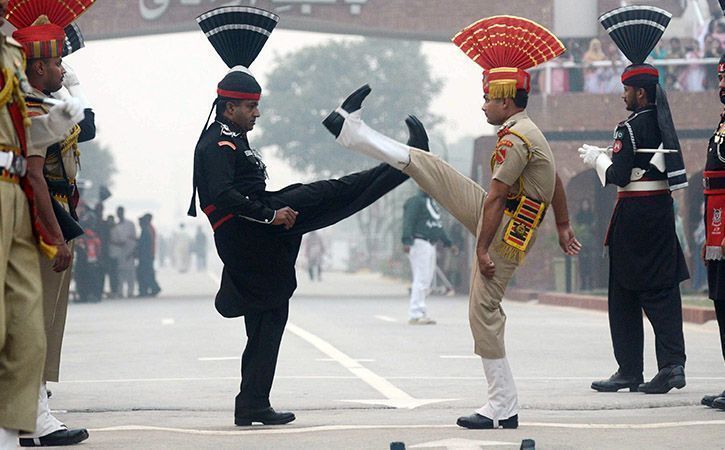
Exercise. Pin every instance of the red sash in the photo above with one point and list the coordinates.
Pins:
(714, 209)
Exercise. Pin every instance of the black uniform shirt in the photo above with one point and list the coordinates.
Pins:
(640, 130)
(229, 174)
(643, 247)
(716, 148)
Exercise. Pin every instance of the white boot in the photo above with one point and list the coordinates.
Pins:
(357, 136)
(502, 398)
(8, 439)
(45, 423)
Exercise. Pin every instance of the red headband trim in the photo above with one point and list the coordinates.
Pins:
(238, 95)
(641, 71)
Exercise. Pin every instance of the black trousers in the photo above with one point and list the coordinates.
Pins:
(259, 360)
(720, 313)
(663, 308)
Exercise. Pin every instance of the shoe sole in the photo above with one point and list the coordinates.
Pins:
(632, 388)
(247, 423)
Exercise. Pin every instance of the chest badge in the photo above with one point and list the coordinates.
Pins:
(617, 146)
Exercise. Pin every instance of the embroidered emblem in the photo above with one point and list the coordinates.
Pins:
(716, 217)
(617, 145)
(619, 135)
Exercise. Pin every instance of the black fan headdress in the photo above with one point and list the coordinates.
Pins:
(238, 34)
(636, 30)
(722, 6)
(73, 39)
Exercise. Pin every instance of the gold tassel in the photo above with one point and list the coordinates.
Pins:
(48, 250)
(509, 253)
(498, 89)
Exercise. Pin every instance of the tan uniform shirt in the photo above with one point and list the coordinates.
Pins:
(69, 147)
(11, 57)
(535, 163)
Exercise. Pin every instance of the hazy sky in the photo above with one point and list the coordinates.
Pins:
(152, 94)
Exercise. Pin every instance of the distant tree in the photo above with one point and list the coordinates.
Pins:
(307, 84)
(97, 166)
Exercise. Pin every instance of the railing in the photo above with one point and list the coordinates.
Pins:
(547, 68)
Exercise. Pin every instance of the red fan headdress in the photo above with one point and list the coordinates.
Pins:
(40, 24)
(506, 46)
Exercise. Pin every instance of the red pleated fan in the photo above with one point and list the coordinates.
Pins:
(22, 13)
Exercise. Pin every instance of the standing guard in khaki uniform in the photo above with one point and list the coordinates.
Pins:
(524, 183)
(22, 339)
(52, 171)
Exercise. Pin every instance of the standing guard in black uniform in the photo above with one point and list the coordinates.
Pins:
(257, 232)
(714, 251)
(646, 263)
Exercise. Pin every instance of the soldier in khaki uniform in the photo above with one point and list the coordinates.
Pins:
(524, 183)
(52, 171)
(22, 232)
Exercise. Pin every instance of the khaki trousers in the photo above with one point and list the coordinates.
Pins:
(463, 198)
(22, 340)
(55, 308)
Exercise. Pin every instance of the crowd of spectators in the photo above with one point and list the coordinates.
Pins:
(594, 65)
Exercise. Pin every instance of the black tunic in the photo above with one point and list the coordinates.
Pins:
(259, 258)
(643, 247)
(716, 162)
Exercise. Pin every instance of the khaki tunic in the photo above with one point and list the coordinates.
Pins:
(22, 339)
(463, 198)
(56, 286)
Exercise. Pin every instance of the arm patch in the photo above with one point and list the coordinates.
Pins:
(227, 144)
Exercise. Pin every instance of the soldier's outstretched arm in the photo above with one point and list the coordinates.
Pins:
(567, 240)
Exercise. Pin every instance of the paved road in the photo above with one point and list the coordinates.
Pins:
(162, 374)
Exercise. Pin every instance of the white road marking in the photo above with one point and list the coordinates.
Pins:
(338, 377)
(333, 360)
(464, 444)
(291, 430)
(386, 319)
(220, 358)
(460, 357)
(167, 321)
(395, 397)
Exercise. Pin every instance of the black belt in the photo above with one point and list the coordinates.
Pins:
(713, 183)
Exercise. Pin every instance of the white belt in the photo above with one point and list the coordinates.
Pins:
(14, 164)
(636, 186)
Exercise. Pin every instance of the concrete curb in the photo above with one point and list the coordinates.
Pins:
(692, 314)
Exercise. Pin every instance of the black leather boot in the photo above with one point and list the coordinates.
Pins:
(333, 122)
(479, 422)
(267, 416)
(617, 382)
(666, 379)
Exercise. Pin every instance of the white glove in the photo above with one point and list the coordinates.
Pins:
(53, 127)
(63, 117)
(70, 82)
(590, 153)
(70, 78)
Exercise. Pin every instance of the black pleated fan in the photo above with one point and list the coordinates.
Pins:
(238, 33)
(722, 6)
(636, 29)
(73, 39)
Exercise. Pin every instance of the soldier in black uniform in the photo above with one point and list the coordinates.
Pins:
(257, 232)
(714, 255)
(646, 262)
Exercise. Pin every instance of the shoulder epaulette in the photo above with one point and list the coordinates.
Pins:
(227, 144)
(508, 131)
(10, 41)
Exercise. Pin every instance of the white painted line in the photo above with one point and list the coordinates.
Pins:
(257, 430)
(395, 397)
(220, 358)
(332, 360)
(460, 357)
(167, 321)
(331, 377)
(386, 319)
